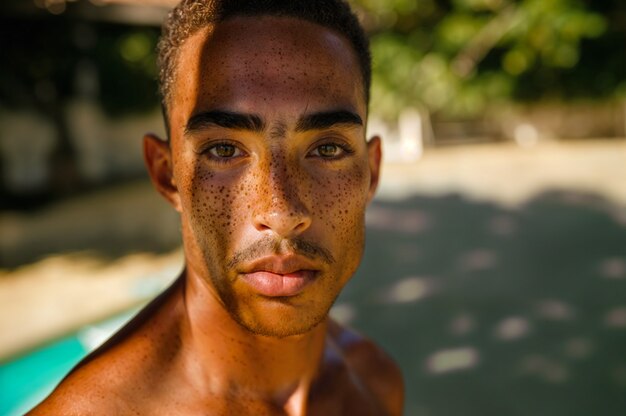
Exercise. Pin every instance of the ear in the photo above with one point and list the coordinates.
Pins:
(158, 158)
(374, 155)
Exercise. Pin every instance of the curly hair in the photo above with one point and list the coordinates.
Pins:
(192, 15)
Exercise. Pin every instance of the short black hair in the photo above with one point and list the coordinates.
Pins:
(192, 15)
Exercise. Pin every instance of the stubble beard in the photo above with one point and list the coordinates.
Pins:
(273, 317)
(277, 317)
(282, 328)
(270, 317)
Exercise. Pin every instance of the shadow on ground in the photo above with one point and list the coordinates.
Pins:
(495, 311)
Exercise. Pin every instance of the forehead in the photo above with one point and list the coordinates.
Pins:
(268, 66)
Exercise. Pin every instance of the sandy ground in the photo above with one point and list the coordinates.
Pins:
(508, 175)
(85, 259)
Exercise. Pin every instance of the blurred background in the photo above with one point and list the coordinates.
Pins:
(495, 266)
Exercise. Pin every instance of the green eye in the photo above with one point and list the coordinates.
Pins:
(331, 151)
(223, 150)
(328, 150)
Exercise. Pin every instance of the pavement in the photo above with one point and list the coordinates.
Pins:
(493, 273)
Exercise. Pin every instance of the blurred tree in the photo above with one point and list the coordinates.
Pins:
(456, 57)
(50, 59)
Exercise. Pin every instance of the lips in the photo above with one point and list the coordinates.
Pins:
(280, 276)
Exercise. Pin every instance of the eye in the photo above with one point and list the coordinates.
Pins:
(330, 151)
(224, 151)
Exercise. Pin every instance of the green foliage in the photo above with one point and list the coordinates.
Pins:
(457, 57)
(453, 57)
(126, 60)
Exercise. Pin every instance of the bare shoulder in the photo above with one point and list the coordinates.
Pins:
(373, 366)
(80, 402)
(88, 390)
(109, 381)
(116, 376)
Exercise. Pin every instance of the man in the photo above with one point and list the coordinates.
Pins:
(268, 166)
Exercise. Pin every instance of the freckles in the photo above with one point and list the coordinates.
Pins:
(208, 202)
(342, 210)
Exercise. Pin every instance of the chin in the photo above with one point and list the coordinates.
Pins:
(278, 318)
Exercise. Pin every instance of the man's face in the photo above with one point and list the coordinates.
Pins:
(271, 169)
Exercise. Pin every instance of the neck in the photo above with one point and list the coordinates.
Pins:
(238, 363)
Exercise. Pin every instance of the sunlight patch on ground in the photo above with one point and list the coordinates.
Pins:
(512, 328)
(613, 268)
(449, 360)
(343, 313)
(409, 289)
(554, 310)
(616, 318)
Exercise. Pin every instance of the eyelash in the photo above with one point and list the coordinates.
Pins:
(207, 151)
(347, 150)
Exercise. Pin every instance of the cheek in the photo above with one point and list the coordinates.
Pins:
(212, 199)
(342, 201)
(343, 215)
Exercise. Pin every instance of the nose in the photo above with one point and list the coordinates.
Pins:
(279, 207)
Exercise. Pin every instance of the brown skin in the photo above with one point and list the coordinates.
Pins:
(290, 194)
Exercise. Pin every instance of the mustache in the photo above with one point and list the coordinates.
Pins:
(268, 246)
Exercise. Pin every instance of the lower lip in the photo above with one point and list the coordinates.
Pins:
(279, 285)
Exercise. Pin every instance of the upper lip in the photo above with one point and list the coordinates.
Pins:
(283, 264)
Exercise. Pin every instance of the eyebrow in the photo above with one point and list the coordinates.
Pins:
(225, 119)
(327, 119)
(252, 122)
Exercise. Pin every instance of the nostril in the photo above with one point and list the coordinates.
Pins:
(283, 223)
(303, 225)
